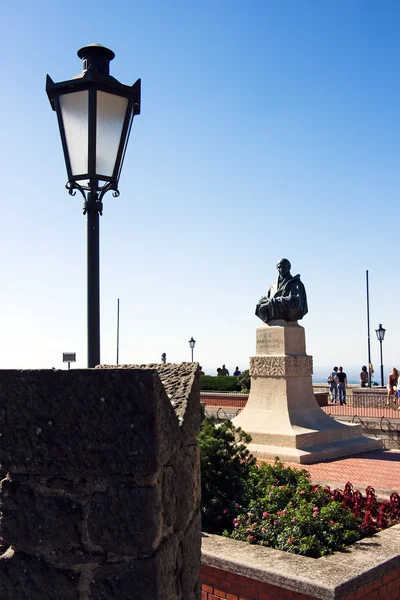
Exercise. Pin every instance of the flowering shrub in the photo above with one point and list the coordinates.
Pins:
(277, 506)
(296, 520)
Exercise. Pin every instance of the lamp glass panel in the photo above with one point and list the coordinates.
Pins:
(111, 111)
(75, 116)
(125, 144)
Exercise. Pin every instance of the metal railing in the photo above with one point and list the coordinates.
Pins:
(391, 431)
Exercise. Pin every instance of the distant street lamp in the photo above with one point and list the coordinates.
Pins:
(380, 334)
(163, 358)
(192, 344)
(95, 114)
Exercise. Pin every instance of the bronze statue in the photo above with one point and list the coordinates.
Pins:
(286, 299)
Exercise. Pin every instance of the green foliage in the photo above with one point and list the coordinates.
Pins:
(301, 527)
(277, 506)
(225, 467)
(264, 477)
(244, 381)
(287, 513)
(219, 384)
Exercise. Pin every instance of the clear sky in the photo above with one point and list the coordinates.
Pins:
(269, 128)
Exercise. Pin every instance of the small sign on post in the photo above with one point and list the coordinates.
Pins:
(69, 357)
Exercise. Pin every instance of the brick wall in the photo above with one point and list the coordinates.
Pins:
(236, 401)
(218, 584)
(224, 400)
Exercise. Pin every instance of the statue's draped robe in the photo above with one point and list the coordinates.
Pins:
(286, 299)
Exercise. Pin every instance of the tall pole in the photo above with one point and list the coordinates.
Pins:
(118, 331)
(192, 354)
(368, 330)
(92, 207)
(380, 341)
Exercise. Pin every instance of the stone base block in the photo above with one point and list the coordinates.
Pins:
(317, 453)
(299, 437)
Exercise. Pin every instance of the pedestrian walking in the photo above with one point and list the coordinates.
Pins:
(332, 380)
(341, 386)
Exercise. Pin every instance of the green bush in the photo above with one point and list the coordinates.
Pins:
(219, 384)
(277, 506)
(300, 527)
(225, 467)
(287, 513)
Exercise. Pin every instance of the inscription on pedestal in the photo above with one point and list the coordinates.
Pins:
(269, 342)
(280, 340)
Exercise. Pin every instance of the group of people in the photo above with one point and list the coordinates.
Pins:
(223, 372)
(337, 380)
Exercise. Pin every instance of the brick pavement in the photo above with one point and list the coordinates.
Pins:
(348, 410)
(379, 468)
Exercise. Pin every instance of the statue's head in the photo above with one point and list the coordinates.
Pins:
(283, 267)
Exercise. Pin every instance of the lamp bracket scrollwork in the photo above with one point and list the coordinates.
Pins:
(88, 204)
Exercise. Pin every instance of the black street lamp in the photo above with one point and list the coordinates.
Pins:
(380, 334)
(192, 344)
(95, 114)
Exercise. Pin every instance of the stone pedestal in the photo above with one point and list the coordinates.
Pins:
(281, 414)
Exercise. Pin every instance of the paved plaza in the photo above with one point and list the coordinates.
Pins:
(379, 468)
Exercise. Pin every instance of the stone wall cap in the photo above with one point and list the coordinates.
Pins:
(177, 380)
(96, 421)
(328, 578)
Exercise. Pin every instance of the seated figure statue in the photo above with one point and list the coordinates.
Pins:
(286, 299)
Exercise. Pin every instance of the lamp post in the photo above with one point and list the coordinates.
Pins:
(192, 344)
(95, 114)
(380, 334)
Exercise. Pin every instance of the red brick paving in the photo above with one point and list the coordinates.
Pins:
(380, 469)
(388, 412)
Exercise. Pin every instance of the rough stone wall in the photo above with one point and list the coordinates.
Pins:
(101, 484)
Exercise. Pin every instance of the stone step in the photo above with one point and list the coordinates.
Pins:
(318, 452)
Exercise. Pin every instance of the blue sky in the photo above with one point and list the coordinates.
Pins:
(268, 129)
